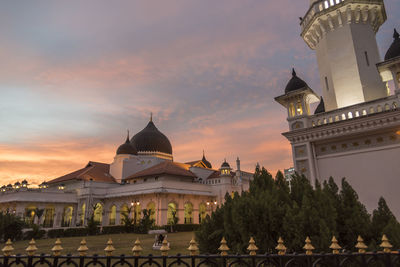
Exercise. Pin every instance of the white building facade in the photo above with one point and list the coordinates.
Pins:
(354, 132)
(142, 175)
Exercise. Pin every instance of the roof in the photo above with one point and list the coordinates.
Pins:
(217, 174)
(394, 49)
(295, 83)
(127, 148)
(150, 139)
(165, 167)
(96, 171)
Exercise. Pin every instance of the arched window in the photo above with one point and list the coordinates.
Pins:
(188, 213)
(83, 211)
(371, 110)
(30, 212)
(113, 215)
(299, 108)
(151, 207)
(394, 105)
(379, 108)
(172, 215)
(67, 216)
(387, 107)
(49, 213)
(350, 115)
(98, 213)
(291, 110)
(202, 212)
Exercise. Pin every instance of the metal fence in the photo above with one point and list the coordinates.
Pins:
(387, 257)
(354, 259)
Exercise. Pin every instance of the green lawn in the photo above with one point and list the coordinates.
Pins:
(122, 243)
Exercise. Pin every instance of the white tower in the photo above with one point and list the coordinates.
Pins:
(343, 34)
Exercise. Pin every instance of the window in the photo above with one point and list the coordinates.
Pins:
(366, 58)
(326, 84)
(299, 108)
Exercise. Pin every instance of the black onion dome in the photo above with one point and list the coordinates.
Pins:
(225, 165)
(152, 140)
(127, 148)
(321, 107)
(206, 162)
(394, 49)
(295, 83)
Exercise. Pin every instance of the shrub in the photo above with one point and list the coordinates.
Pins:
(75, 232)
(116, 229)
(53, 233)
(11, 226)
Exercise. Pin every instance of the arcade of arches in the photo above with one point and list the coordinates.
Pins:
(163, 211)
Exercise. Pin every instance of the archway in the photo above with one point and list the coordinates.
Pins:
(124, 213)
(30, 212)
(202, 212)
(67, 216)
(172, 216)
(188, 213)
(113, 215)
(82, 217)
(151, 207)
(98, 213)
(49, 216)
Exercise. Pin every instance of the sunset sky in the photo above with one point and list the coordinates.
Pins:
(75, 75)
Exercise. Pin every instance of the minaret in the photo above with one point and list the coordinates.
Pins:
(343, 34)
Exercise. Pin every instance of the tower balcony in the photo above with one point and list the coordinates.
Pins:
(326, 15)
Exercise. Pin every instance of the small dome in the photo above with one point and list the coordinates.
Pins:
(150, 139)
(295, 83)
(127, 148)
(206, 162)
(225, 165)
(321, 107)
(394, 49)
(17, 183)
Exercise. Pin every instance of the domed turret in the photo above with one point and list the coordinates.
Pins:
(394, 49)
(295, 83)
(225, 168)
(126, 148)
(150, 139)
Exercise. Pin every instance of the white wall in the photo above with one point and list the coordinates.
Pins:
(372, 175)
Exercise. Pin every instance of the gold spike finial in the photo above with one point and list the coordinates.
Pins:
(31, 249)
(360, 245)
(57, 248)
(8, 248)
(335, 246)
(223, 247)
(137, 248)
(165, 247)
(109, 248)
(386, 244)
(193, 248)
(252, 247)
(83, 248)
(281, 247)
(308, 247)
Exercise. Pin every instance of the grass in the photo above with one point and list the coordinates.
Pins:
(123, 243)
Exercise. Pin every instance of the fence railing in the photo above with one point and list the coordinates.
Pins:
(386, 257)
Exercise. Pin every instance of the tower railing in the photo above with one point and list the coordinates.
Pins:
(355, 111)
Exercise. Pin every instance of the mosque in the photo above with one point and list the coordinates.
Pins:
(142, 175)
(354, 131)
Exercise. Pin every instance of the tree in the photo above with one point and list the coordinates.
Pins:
(384, 222)
(269, 210)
